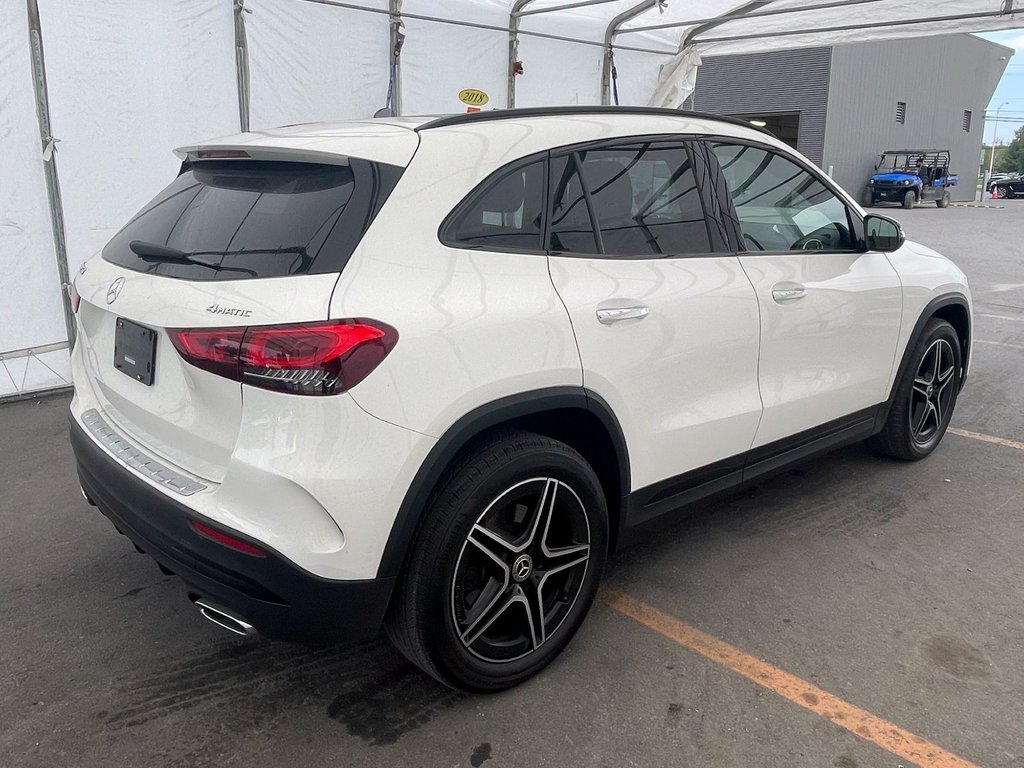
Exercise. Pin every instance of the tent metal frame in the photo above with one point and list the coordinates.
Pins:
(49, 156)
(242, 64)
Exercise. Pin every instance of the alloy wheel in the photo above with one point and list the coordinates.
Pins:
(520, 570)
(931, 396)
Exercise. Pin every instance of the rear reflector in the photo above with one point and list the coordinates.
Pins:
(306, 359)
(228, 541)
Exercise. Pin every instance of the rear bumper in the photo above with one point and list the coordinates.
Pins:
(280, 599)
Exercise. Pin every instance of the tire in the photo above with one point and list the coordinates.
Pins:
(944, 201)
(1002, 192)
(910, 199)
(466, 610)
(913, 428)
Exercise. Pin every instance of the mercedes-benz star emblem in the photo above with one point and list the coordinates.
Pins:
(115, 290)
(522, 568)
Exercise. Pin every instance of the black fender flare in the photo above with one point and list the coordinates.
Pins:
(465, 430)
(945, 300)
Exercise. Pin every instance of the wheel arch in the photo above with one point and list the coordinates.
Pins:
(954, 309)
(574, 415)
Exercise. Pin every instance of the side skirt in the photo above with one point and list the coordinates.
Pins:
(666, 499)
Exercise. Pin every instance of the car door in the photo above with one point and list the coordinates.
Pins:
(666, 323)
(830, 310)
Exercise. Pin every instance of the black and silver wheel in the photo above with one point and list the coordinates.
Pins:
(909, 199)
(505, 566)
(925, 396)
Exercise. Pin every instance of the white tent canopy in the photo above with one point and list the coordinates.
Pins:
(123, 83)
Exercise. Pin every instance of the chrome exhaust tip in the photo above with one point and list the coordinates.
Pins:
(225, 620)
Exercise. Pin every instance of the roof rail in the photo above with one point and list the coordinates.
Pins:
(512, 114)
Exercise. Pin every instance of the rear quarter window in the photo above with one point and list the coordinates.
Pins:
(505, 212)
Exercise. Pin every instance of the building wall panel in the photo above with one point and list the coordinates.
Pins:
(776, 82)
(937, 77)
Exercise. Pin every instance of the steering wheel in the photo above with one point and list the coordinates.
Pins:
(751, 239)
(827, 238)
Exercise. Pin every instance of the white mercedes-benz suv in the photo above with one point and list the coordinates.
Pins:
(426, 373)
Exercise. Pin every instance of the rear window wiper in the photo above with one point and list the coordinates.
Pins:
(160, 253)
(154, 253)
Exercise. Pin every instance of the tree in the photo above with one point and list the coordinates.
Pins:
(1011, 159)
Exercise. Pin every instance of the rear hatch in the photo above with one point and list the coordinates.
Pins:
(235, 243)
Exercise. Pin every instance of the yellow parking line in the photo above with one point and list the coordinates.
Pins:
(999, 343)
(857, 721)
(987, 438)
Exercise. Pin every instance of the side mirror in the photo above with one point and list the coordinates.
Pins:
(883, 234)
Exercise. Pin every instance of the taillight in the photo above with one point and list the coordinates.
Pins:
(306, 359)
(76, 300)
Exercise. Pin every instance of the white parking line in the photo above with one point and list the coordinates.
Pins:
(1002, 317)
(999, 343)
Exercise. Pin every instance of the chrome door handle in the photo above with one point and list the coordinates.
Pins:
(615, 314)
(788, 294)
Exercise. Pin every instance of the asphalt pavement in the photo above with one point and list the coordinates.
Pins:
(891, 590)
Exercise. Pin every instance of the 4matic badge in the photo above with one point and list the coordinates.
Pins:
(217, 309)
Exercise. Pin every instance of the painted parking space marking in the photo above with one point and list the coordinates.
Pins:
(1001, 317)
(999, 343)
(1006, 442)
(860, 722)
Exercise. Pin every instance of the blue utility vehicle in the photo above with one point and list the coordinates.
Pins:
(910, 176)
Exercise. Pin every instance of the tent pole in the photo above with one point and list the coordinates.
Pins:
(609, 36)
(494, 27)
(566, 7)
(515, 17)
(49, 154)
(513, 50)
(242, 64)
(865, 25)
(739, 14)
(395, 54)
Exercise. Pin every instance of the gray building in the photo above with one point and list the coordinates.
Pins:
(843, 105)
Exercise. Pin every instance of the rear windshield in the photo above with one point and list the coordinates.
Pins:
(238, 219)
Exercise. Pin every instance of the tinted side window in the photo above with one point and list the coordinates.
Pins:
(780, 206)
(506, 213)
(572, 229)
(644, 197)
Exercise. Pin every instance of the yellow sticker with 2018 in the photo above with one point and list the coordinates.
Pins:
(474, 97)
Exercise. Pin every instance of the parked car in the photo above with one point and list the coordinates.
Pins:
(910, 176)
(429, 372)
(1006, 187)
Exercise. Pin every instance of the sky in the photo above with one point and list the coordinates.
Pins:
(1010, 91)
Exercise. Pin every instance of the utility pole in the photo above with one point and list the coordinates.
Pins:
(992, 149)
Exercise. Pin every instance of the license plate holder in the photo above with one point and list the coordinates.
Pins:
(135, 350)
